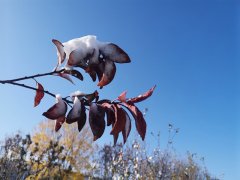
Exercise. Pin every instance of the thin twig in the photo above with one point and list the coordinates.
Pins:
(31, 77)
(33, 88)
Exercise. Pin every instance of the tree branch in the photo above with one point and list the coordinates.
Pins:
(31, 77)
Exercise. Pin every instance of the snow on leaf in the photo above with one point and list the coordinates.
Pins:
(122, 96)
(57, 110)
(142, 96)
(96, 120)
(139, 119)
(39, 94)
(81, 58)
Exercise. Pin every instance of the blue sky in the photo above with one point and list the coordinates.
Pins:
(189, 49)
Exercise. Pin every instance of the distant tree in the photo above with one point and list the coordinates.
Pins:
(13, 154)
(132, 161)
(77, 148)
(47, 155)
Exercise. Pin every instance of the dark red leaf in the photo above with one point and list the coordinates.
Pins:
(122, 96)
(108, 73)
(57, 110)
(75, 113)
(74, 73)
(139, 119)
(142, 96)
(65, 76)
(115, 138)
(104, 101)
(82, 119)
(96, 120)
(127, 128)
(61, 53)
(110, 113)
(39, 94)
(93, 75)
(120, 119)
(59, 122)
(92, 96)
(114, 53)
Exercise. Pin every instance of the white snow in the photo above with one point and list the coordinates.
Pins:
(86, 44)
(61, 106)
(76, 110)
(77, 93)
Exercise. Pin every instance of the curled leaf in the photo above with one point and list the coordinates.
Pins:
(108, 73)
(60, 51)
(74, 73)
(65, 76)
(96, 120)
(142, 96)
(139, 119)
(39, 94)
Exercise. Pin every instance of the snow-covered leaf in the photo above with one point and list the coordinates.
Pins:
(75, 113)
(57, 110)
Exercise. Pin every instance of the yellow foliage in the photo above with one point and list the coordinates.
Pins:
(78, 146)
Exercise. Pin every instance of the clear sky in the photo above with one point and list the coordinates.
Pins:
(188, 48)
